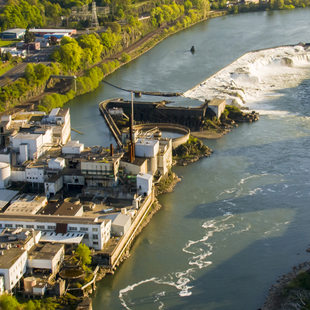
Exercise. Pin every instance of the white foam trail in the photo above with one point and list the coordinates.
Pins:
(131, 288)
(256, 75)
(199, 250)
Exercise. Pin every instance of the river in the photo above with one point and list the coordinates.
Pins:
(239, 219)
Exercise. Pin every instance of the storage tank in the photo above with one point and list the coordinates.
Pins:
(5, 174)
(29, 283)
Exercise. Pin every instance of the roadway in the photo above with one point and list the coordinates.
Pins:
(42, 56)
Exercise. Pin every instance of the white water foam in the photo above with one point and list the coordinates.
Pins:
(256, 76)
(247, 186)
(199, 250)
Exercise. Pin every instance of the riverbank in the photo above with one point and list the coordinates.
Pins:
(291, 290)
(135, 50)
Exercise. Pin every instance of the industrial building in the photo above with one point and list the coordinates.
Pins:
(13, 34)
(36, 151)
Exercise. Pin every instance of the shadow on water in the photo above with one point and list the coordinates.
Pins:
(232, 285)
(238, 275)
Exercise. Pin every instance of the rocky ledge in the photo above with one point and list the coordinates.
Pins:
(191, 151)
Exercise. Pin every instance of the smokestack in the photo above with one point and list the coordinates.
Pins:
(111, 149)
(132, 143)
(131, 151)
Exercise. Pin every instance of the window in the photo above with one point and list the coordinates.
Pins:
(95, 236)
(19, 225)
(51, 227)
(8, 225)
(29, 226)
(84, 229)
(40, 227)
(86, 236)
(72, 228)
(95, 242)
(95, 229)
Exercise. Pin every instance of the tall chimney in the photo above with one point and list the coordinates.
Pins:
(132, 143)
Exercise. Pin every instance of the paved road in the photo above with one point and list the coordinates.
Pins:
(18, 71)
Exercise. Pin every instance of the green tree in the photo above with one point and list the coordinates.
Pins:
(82, 253)
(29, 36)
(157, 16)
(30, 74)
(279, 4)
(93, 43)
(125, 58)
(115, 27)
(22, 13)
(30, 306)
(42, 72)
(8, 302)
(187, 5)
(69, 56)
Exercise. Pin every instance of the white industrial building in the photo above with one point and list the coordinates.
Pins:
(73, 147)
(35, 174)
(60, 121)
(46, 257)
(158, 153)
(13, 34)
(56, 163)
(53, 184)
(120, 224)
(14, 246)
(30, 146)
(13, 262)
(144, 183)
(94, 232)
(146, 148)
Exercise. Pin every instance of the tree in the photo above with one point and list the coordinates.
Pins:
(157, 16)
(82, 253)
(29, 36)
(187, 5)
(30, 305)
(69, 56)
(30, 74)
(92, 42)
(8, 302)
(23, 14)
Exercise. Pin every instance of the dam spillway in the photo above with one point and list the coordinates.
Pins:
(256, 75)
